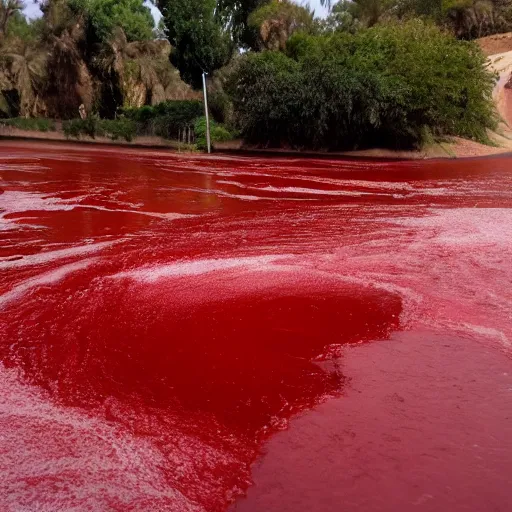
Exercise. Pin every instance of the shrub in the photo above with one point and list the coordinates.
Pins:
(139, 115)
(92, 127)
(218, 133)
(165, 119)
(32, 124)
(388, 86)
(180, 111)
(78, 127)
(117, 129)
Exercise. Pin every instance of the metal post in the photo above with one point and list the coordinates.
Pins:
(208, 143)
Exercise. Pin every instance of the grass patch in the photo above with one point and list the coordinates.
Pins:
(36, 124)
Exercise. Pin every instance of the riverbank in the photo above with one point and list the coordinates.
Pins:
(452, 147)
(460, 150)
(9, 132)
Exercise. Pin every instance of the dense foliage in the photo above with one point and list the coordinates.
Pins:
(218, 133)
(83, 52)
(131, 15)
(277, 20)
(180, 120)
(197, 36)
(389, 85)
(374, 72)
(467, 19)
(167, 119)
(234, 15)
(113, 129)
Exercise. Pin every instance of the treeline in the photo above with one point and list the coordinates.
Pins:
(374, 72)
(395, 85)
(103, 54)
(466, 19)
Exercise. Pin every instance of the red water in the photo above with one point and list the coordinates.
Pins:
(164, 317)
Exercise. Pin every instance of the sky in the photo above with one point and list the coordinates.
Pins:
(32, 10)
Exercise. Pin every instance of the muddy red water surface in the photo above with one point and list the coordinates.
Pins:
(183, 333)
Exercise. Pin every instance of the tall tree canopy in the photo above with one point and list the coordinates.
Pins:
(99, 53)
(8, 8)
(131, 15)
(197, 36)
(103, 16)
(234, 15)
(278, 20)
(477, 18)
(467, 19)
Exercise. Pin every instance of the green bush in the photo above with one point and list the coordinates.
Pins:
(182, 111)
(113, 129)
(77, 127)
(117, 129)
(386, 86)
(218, 133)
(32, 124)
(165, 119)
(139, 115)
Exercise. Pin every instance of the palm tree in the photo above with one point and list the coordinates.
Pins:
(70, 82)
(7, 9)
(24, 69)
(278, 20)
(141, 70)
(478, 18)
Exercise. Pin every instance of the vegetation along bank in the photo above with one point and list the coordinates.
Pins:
(398, 74)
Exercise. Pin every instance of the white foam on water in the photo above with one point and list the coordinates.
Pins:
(466, 226)
(47, 278)
(313, 191)
(199, 267)
(27, 168)
(55, 458)
(489, 332)
(17, 201)
(166, 216)
(48, 256)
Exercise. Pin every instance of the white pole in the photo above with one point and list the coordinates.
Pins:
(208, 143)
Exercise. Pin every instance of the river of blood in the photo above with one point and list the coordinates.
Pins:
(191, 333)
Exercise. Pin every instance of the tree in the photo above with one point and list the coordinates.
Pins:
(477, 18)
(198, 39)
(141, 70)
(344, 16)
(369, 12)
(24, 66)
(395, 84)
(278, 20)
(234, 17)
(69, 80)
(8, 8)
(19, 26)
(131, 15)
(77, 53)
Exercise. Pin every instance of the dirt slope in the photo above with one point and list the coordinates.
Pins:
(498, 43)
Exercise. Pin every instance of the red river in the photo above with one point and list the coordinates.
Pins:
(189, 333)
